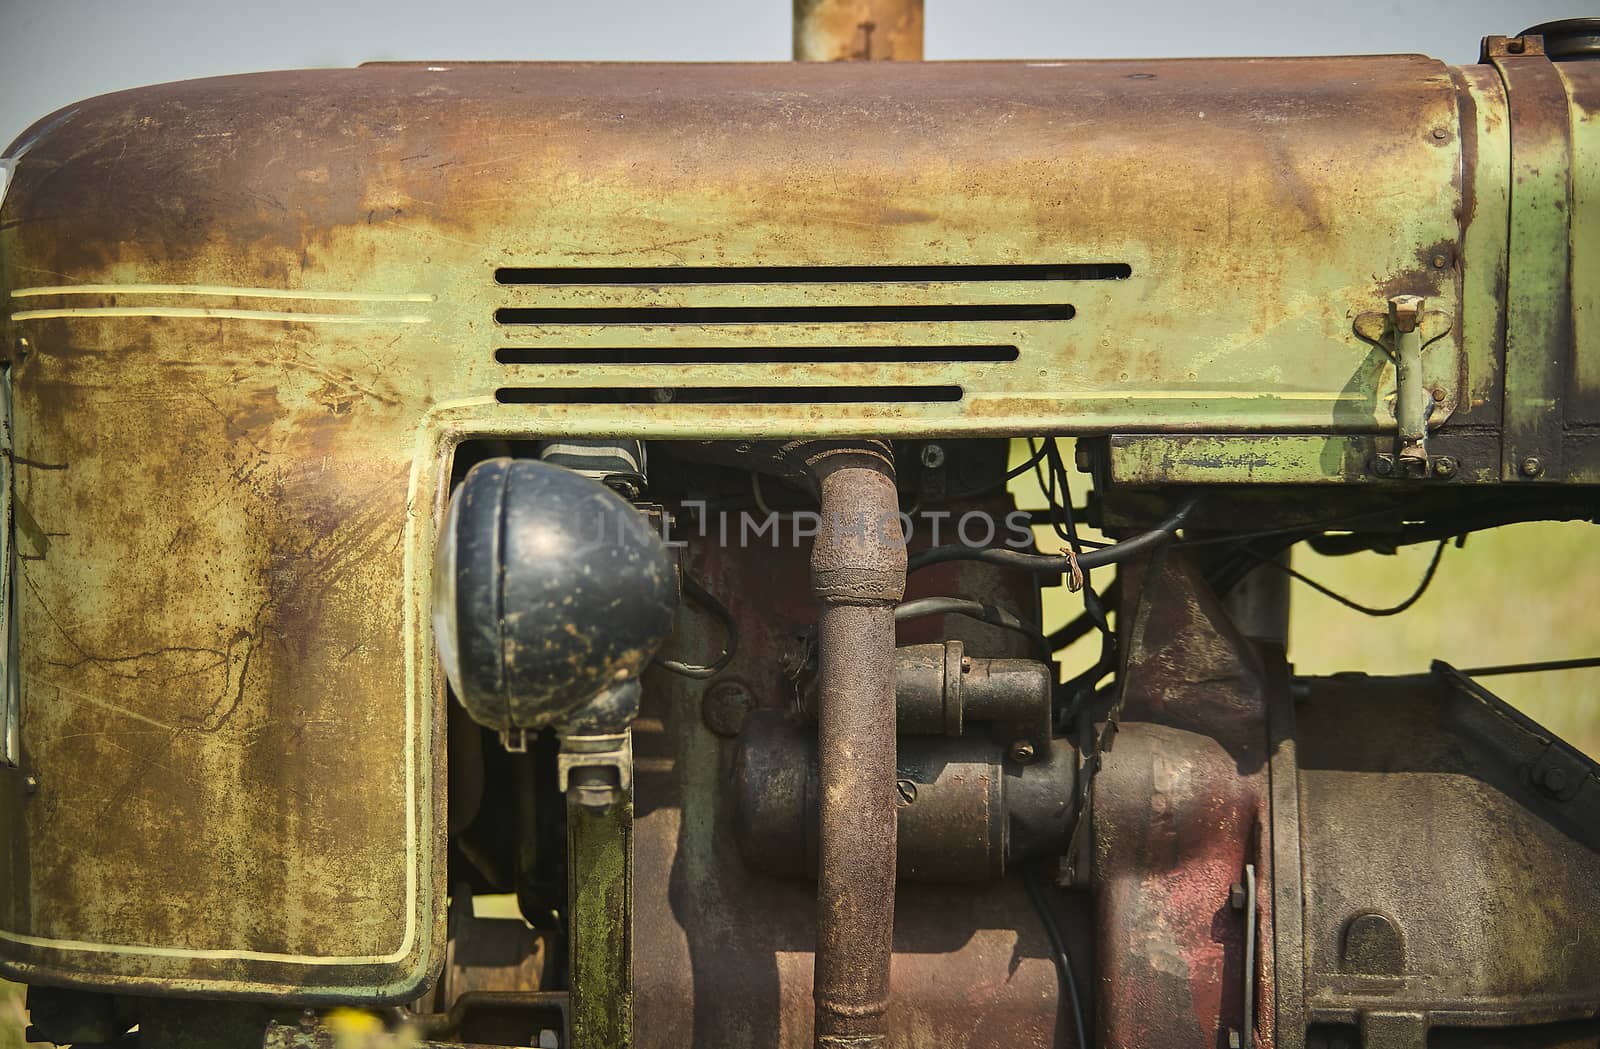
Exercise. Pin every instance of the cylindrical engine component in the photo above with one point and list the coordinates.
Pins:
(964, 813)
(858, 574)
(857, 30)
(939, 689)
(551, 593)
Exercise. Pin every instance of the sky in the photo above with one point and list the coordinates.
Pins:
(56, 52)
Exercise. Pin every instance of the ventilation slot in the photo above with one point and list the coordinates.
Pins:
(657, 276)
(730, 395)
(670, 355)
(776, 314)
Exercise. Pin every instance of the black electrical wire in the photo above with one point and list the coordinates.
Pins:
(1049, 489)
(1011, 475)
(1063, 956)
(699, 672)
(1366, 610)
(1083, 623)
(1057, 564)
(961, 606)
(1092, 605)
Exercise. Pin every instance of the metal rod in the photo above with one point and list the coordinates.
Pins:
(858, 575)
(857, 30)
(1534, 668)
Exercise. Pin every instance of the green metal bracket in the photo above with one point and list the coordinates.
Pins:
(1539, 321)
(596, 774)
(1411, 397)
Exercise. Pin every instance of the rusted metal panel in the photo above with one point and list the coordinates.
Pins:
(1582, 80)
(1538, 304)
(1436, 775)
(1486, 202)
(1276, 165)
(248, 318)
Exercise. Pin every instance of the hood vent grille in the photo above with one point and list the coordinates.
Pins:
(785, 335)
(665, 276)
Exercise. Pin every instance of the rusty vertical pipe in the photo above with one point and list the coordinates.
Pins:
(857, 30)
(858, 575)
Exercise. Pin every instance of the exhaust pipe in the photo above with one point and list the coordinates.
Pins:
(857, 30)
(858, 575)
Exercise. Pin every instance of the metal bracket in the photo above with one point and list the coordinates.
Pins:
(608, 752)
(1244, 899)
(1403, 331)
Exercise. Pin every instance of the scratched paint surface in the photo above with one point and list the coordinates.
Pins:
(248, 317)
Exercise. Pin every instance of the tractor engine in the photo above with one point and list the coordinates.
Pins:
(570, 554)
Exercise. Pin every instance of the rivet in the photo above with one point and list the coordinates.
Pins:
(1532, 467)
(1440, 133)
(1444, 467)
(1440, 262)
(1383, 465)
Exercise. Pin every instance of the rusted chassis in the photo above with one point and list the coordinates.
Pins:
(249, 319)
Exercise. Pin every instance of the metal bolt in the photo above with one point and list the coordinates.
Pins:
(1439, 394)
(725, 708)
(1440, 262)
(1236, 896)
(1440, 133)
(1532, 467)
(743, 447)
(1235, 1039)
(1515, 46)
(966, 664)
(932, 456)
(1444, 467)
(907, 791)
(1022, 752)
(1383, 465)
(1554, 780)
(308, 1019)
(30, 783)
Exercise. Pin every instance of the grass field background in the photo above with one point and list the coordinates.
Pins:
(1516, 594)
